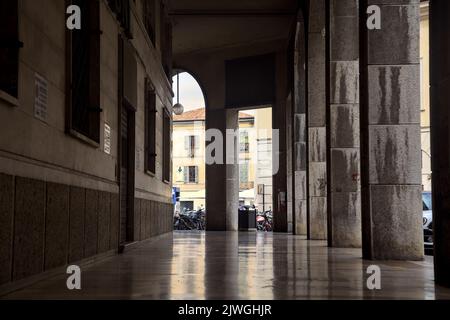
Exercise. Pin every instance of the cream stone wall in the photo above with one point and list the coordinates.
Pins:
(42, 149)
(60, 194)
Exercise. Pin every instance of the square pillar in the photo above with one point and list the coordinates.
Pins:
(222, 179)
(299, 163)
(343, 153)
(440, 132)
(279, 191)
(390, 126)
(317, 135)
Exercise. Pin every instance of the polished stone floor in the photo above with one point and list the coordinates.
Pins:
(221, 265)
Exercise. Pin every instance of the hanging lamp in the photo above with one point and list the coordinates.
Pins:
(178, 108)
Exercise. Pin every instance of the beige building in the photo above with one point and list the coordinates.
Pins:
(425, 94)
(263, 179)
(189, 158)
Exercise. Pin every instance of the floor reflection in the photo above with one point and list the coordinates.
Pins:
(246, 265)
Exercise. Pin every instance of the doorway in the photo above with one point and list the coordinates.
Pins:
(127, 124)
(127, 127)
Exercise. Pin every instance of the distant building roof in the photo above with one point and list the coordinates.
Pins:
(199, 115)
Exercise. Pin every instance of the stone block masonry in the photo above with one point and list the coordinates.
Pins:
(45, 225)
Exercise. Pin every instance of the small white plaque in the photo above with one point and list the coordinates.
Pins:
(40, 97)
(107, 139)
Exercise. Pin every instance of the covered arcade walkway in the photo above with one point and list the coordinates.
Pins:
(231, 265)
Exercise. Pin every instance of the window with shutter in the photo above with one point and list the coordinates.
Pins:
(122, 10)
(148, 12)
(190, 145)
(9, 47)
(191, 174)
(186, 142)
(197, 142)
(186, 174)
(244, 142)
(166, 40)
(167, 146)
(84, 73)
(150, 127)
(243, 172)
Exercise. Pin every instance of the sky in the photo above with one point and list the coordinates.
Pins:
(191, 96)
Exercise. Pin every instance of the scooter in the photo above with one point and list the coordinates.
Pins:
(264, 221)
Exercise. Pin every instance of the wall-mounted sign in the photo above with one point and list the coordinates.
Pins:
(40, 97)
(139, 152)
(260, 189)
(107, 139)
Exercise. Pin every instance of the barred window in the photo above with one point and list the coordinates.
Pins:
(83, 62)
(122, 10)
(150, 127)
(9, 47)
(167, 146)
(148, 12)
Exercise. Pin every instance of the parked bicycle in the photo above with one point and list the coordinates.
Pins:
(190, 220)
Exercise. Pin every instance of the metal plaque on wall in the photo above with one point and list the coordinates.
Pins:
(40, 97)
(107, 139)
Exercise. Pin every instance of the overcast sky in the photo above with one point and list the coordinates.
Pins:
(191, 96)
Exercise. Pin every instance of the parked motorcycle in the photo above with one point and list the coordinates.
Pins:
(264, 221)
(190, 220)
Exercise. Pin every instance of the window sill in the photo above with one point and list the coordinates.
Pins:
(9, 99)
(84, 139)
(166, 182)
(150, 173)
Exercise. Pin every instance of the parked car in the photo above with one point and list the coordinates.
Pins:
(427, 217)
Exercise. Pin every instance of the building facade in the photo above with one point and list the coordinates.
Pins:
(189, 158)
(425, 94)
(85, 117)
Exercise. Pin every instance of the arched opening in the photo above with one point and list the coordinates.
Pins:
(188, 162)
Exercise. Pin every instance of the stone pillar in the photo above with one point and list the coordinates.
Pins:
(317, 176)
(390, 128)
(280, 218)
(344, 196)
(289, 163)
(440, 131)
(299, 134)
(222, 180)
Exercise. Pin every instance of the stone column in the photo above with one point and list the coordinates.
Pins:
(222, 180)
(317, 167)
(279, 196)
(299, 133)
(390, 126)
(289, 165)
(344, 196)
(440, 131)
